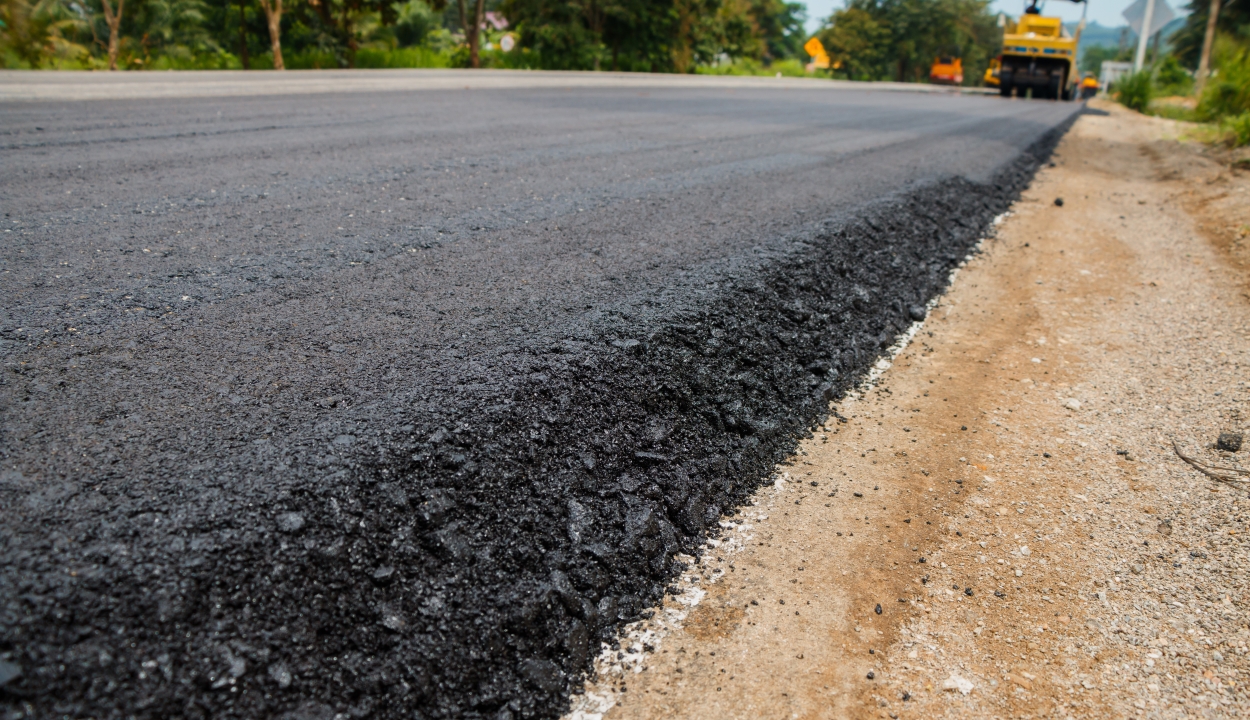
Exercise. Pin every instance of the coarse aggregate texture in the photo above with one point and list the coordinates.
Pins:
(394, 405)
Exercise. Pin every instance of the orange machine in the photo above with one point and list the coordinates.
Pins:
(1089, 86)
(947, 71)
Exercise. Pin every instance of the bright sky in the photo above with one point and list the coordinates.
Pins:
(1106, 12)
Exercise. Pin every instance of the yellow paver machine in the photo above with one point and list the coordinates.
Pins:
(1039, 56)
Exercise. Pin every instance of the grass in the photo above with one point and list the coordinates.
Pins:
(366, 58)
(1173, 108)
(785, 68)
(1237, 129)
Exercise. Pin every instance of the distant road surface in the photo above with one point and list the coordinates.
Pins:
(396, 393)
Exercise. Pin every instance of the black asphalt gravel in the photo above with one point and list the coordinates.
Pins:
(397, 405)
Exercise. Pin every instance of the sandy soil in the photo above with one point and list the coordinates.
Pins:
(999, 527)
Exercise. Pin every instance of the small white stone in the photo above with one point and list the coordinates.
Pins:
(1072, 404)
(957, 682)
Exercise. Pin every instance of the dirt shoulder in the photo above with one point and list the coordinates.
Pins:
(1000, 528)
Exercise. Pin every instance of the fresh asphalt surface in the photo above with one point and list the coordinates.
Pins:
(397, 404)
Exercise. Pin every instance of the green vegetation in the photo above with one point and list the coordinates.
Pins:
(1167, 88)
(1228, 91)
(224, 34)
(1233, 22)
(784, 68)
(1094, 56)
(868, 39)
(738, 36)
(1135, 91)
(656, 35)
(899, 39)
(1237, 129)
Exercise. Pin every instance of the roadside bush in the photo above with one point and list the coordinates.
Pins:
(416, 21)
(219, 60)
(366, 58)
(1135, 91)
(1238, 129)
(1172, 79)
(408, 57)
(1227, 93)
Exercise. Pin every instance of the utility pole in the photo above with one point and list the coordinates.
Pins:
(1143, 38)
(1204, 63)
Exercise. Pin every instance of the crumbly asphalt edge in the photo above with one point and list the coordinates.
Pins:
(639, 640)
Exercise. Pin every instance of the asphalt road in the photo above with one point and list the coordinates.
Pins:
(396, 404)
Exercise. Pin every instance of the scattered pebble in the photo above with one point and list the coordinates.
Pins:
(958, 682)
(290, 522)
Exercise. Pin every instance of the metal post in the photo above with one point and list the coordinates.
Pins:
(1144, 36)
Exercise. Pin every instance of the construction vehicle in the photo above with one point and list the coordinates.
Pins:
(1089, 86)
(947, 70)
(991, 72)
(1039, 57)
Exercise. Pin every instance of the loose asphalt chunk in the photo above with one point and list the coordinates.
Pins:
(397, 405)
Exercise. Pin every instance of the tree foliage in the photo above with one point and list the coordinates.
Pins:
(1094, 56)
(868, 39)
(899, 39)
(42, 33)
(1233, 22)
(655, 35)
(650, 35)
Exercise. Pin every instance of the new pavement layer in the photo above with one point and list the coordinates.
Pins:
(397, 404)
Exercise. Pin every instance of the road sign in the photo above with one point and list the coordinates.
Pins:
(816, 50)
(1162, 15)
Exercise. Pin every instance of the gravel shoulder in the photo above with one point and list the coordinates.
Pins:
(999, 527)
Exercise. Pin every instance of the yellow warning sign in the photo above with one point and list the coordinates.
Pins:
(814, 48)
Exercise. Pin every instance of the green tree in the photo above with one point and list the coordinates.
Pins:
(1227, 94)
(1233, 22)
(1094, 56)
(780, 25)
(654, 35)
(43, 32)
(857, 43)
(899, 39)
(764, 30)
(414, 23)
